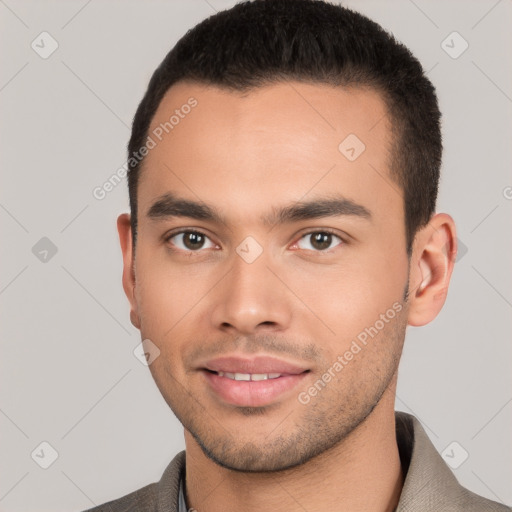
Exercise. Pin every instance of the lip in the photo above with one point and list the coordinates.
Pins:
(257, 364)
(252, 393)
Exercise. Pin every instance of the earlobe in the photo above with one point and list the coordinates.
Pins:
(125, 238)
(432, 263)
(135, 319)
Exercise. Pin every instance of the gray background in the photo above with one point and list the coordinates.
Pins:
(69, 376)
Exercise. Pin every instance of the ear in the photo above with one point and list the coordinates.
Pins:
(432, 261)
(124, 229)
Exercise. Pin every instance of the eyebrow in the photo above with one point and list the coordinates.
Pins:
(169, 205)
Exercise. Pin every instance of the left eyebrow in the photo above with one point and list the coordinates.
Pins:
(327, 207)
(170, 205)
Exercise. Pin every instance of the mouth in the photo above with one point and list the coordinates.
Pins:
(255, 382)
(249, 376)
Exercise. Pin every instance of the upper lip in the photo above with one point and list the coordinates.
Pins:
(252, 365)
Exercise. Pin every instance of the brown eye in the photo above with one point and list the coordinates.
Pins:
(321, 241)
(318, 240)
(193, 240)
(190, 241)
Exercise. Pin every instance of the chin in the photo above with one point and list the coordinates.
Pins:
(279, 455)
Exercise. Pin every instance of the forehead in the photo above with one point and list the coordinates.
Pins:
(271, 144)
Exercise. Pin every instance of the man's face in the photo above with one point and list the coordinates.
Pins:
(261, 294)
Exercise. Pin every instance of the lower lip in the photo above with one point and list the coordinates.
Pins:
(248, 393)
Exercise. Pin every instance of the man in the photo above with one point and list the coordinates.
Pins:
(284, 167)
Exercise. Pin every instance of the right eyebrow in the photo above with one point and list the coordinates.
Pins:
(169, 205)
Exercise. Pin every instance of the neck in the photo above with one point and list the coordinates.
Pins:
(362, 473)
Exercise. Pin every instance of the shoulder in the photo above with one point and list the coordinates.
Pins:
(144, 499)
(429, 484)
(156, 497)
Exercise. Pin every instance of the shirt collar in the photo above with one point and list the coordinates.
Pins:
(429, 484)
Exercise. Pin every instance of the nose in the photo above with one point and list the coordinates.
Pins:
(251, 298)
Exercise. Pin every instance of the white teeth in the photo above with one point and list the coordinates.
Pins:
(259, 376)
(249, 376)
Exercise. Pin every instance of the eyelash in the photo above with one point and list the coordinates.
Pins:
(168, 237)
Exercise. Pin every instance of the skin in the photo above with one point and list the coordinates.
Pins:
(246, 154)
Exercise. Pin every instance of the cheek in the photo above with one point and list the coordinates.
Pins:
(360, 298)
(166, 293)
(171, 305)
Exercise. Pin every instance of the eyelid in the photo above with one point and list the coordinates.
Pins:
(323, 230)
(179, 231)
